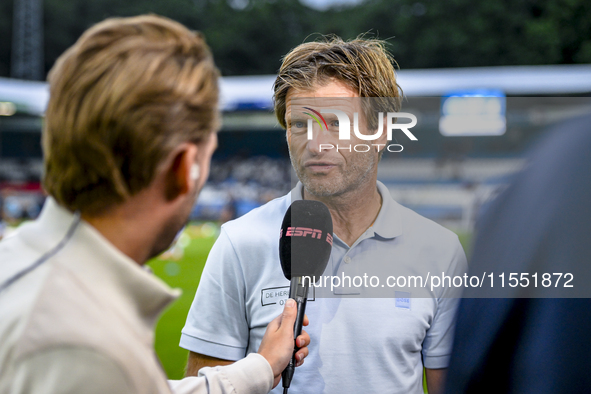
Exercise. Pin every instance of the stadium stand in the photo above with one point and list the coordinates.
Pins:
(445, 178)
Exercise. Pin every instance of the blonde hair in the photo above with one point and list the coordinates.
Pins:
(122, 98)
(364, 65)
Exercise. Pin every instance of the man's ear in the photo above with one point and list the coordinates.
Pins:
(180, 172)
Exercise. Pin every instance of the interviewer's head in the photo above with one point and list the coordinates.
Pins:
(133, 97)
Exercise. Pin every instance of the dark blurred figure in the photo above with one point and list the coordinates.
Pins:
(230, 211)
(541, 223)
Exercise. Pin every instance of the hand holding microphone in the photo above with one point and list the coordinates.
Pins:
(278, 342)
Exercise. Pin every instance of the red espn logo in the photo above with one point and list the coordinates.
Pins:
(304, 232)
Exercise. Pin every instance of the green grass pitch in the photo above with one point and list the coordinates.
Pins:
(181, 268)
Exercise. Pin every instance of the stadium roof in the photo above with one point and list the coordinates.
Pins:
(255, 92)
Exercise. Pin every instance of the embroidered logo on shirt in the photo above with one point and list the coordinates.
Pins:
(402, 299)
(278, 295)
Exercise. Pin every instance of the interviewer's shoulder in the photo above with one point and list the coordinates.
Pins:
(72, 369)
(70, 314)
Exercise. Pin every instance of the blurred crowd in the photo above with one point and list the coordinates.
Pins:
(235, 186)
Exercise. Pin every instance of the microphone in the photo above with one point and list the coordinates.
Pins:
(304, 249)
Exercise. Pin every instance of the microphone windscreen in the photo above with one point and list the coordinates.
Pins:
(306, 239)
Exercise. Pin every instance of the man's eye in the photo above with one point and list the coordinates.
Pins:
(334, 123)
(298, 124)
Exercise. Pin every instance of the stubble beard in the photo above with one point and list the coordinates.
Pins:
(344, 181)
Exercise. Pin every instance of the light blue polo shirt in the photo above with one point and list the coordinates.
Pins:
(358, 344)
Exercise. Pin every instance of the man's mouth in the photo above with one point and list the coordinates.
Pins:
(319, 166)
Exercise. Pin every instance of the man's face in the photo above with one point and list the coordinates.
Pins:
(326, 172)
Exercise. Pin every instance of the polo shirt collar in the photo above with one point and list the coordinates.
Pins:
(387, 225)
(296, 192)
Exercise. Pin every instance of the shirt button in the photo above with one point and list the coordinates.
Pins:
(347, 259)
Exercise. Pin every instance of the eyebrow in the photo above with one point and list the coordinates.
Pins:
(295, 119)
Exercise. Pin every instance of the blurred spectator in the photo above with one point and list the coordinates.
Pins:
(229, 212)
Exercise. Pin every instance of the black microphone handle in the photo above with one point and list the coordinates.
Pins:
(299, 292)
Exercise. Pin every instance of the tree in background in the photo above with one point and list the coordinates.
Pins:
(250, 36)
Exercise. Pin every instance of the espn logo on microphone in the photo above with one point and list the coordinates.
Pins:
(305, 232)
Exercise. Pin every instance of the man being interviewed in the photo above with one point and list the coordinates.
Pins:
(363, 344)
(129, 133)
